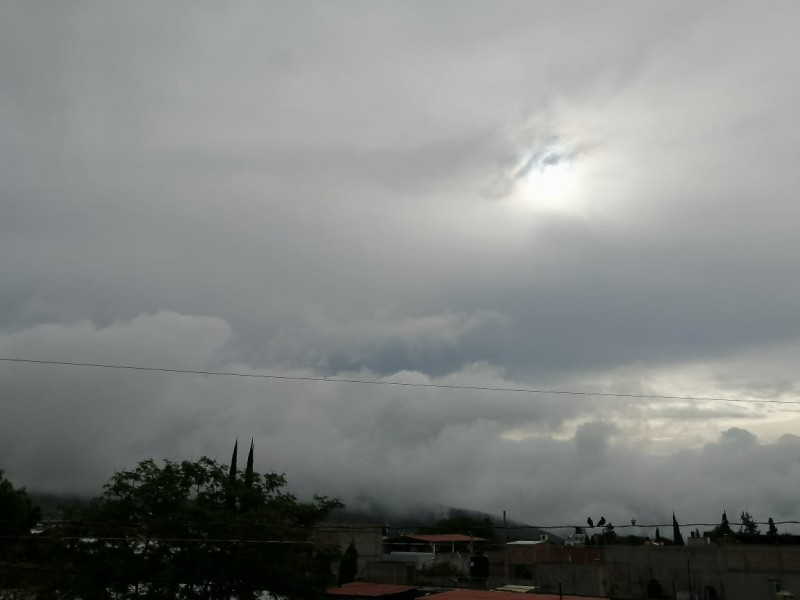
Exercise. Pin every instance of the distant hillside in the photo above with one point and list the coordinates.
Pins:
(398, 522)
(56, 506)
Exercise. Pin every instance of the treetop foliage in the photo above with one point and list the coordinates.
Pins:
(17, 512)
(193, 529)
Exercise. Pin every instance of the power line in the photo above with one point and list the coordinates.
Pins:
(401, 383)
(88, 538)
(334, 527)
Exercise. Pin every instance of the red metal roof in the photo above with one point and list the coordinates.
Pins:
(365, 588)
(440, 537)
(492, 595)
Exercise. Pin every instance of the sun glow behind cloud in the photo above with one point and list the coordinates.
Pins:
(549, 181)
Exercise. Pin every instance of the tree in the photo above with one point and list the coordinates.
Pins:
(749, 525)
(171, 531)
(608, 536)
(724, 528)
(677, 538)
(17, 515)
(17, 512)
(772, 529)
(348, 567)
(230, 497)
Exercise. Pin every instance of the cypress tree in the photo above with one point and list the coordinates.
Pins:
(230, 494)
(234, 460)
(248, 472)
(246, 493)
(348, 567)
(772, 529)
(676, 532)
(724, 526)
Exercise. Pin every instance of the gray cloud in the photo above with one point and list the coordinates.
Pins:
(341, 191)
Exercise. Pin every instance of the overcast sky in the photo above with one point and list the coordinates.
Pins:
(595, 197)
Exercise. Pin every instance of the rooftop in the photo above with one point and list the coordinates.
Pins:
(492, 595)
(367, 589)
(439, 537)
(526, 543)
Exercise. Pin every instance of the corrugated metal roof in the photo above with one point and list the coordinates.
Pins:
(440, 537)
(519, 589)
(367, 589)
(491, 595)
(526, 543)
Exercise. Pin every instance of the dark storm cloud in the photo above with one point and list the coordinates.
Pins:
(303, 189)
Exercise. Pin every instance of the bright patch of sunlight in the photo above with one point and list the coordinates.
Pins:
(549, 181)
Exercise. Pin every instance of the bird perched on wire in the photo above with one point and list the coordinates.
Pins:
(590, 522)
(601, 522)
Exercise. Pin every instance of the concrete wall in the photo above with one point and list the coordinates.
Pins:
(390, 572)
(576, 579)
(734, 572)
(738, 572)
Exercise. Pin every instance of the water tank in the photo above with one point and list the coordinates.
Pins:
(479, 566)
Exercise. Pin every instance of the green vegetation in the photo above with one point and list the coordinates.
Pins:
(749, 525)
(724, 528)
(17, 515)
(181, 529)
(772, 529)
(18, 511)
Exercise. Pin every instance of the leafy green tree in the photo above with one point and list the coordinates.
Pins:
(171, 531)
(17, 512)
(749, 525)
(17, 515)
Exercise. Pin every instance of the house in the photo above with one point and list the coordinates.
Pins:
(445, 554)
(450, 543)
(578, 538)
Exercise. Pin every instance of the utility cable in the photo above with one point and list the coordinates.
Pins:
(401, 383)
